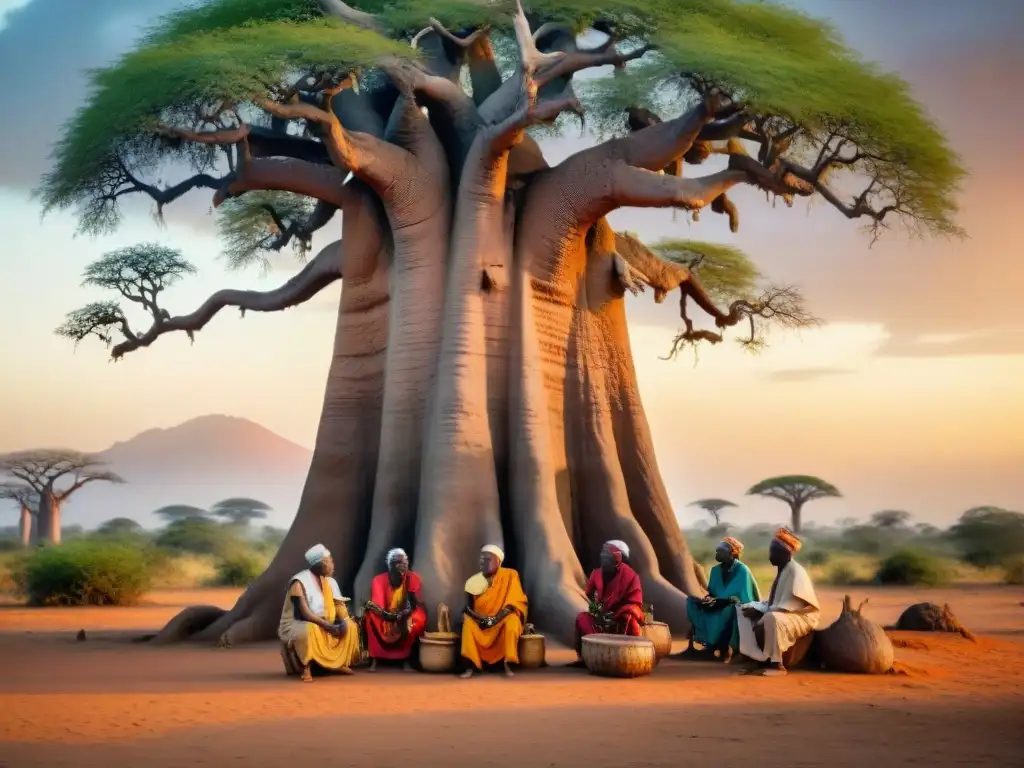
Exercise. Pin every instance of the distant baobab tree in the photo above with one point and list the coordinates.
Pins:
(713, 507)
(794, 490)
(173, 512)
(28, 502)
(240, 510)
(43, 470)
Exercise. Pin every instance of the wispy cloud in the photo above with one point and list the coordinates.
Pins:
(991, 341)
(806, 374)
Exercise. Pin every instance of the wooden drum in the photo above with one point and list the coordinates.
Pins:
(618, 655)
(438, 652)
(531, 651)
(659, 634)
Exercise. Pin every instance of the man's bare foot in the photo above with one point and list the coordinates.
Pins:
(467, 674)
(773, 670)
(726, 657)
(508, 671)
(373, 666)
(344, 671)
(306, 676)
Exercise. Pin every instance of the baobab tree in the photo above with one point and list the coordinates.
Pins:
(713, 507)
(54, 474)
(28, 502)
(240, 511)
(795, 491)
(481, 387)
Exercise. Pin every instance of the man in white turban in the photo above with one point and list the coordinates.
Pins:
(394, 617)
(315, 628)
(494, 615)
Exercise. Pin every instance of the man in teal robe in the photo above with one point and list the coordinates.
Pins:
(714, 617)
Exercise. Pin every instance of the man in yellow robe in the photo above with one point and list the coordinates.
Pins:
(315, 625)
(494, 615)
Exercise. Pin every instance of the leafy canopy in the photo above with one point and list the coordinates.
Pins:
(249, 231)
(813, 102)
(726, 273)
(187, 80)
(794, 487)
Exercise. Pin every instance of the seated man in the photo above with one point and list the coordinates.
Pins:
(494, 614)
(714, 616)
(614, 596)
(768, 629)
(394, 616)
(315, 626)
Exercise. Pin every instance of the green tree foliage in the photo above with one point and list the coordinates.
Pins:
(794, 491)
(175, 512)
(198, 535)
(240, 511)
(891, 518)
(817, 110)
(240, 569)
(120, 527)
(988, 536)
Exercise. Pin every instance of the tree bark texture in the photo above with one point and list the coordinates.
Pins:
(482, 388)
(48, 518)
(25, 526)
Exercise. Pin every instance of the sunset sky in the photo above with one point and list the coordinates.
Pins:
(911, 396)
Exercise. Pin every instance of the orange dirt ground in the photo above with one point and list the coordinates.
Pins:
(109, 702)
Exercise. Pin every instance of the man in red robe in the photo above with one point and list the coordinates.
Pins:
(615, 597)
(394, 617)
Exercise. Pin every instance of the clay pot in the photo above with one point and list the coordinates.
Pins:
(659, 634)
(531, 651)
(618, 655)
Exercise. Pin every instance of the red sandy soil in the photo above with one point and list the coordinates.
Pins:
(106, 701)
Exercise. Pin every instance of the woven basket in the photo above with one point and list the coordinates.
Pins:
(437, 655)
(531, 651)
(618, 655)
(659, 634)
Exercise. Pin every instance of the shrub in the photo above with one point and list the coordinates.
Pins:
(912, 567)
(988, 536)
(85, 573)
(239, 569)
(842, 575)
(1015, 573)
(818, 557)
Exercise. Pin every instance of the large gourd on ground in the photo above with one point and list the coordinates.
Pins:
(854, 643)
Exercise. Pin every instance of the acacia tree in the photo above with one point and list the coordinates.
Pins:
(481, 386)
(28, 502)
(795, 491)
(240, 511)
(174, 512)
(891, 518)
(45, 471)
(713, 507)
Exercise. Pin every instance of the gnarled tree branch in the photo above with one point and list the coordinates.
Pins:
(324, 269)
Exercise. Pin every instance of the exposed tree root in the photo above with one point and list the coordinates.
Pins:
(188, 623)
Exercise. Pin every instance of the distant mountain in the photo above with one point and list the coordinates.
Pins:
(199, 462)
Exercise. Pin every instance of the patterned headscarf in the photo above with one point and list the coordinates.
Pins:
(735, 545)
(316, 554)
(788, 539)
(393, 555)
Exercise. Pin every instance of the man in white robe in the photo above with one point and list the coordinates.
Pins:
(769, 628)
